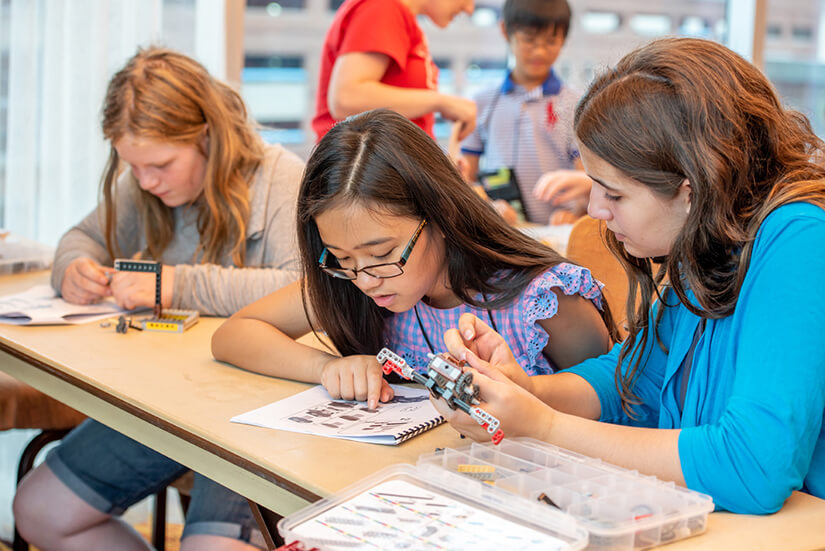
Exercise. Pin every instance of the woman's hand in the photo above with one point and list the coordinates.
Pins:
(356, 378)
(137, 289)
(485, 350)
(85, 281)
(519, 412)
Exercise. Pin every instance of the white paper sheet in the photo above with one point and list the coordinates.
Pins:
(40, 306)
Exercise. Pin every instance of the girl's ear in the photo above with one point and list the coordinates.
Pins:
(205, 139)
(686, 194)
(504, 32)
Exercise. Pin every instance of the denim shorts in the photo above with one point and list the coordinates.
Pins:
(112, 472)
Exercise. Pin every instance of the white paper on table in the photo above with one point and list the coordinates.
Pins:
(313, 411)
(553, 236)
(40, 306)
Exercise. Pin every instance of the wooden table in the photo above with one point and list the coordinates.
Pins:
(166, 391)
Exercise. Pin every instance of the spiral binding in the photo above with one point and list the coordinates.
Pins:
(418, 429)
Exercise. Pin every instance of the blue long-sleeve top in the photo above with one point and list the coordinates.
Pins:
(752, 426)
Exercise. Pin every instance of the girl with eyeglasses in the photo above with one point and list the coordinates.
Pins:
(394, 249)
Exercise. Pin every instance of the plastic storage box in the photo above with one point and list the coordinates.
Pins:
(620, 509)
(521, 494)
(401, 508)
(18, 254)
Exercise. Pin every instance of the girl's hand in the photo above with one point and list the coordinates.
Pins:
(85, 281)
(562, 216)
(519, 412)
(356, 378)
(506, 211)
(137, 289)
(460, 110)
(569, 189)
(485, 350)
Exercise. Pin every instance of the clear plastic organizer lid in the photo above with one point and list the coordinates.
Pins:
(401, 507)
(621, 509)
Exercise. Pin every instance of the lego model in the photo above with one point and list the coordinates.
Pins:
(174, 321)
(445, 379)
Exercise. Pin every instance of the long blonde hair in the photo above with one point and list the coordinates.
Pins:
(166, 96)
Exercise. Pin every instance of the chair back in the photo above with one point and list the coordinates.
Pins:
(586, 248)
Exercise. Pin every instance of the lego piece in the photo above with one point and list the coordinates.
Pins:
(544, 498)
(447, 380)
(481, 472)
(125, 265)
(170, 321)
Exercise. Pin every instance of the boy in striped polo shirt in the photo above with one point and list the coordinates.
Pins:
(526, 123)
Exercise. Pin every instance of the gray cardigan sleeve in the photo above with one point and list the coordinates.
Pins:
(271, 253)
(87, 240)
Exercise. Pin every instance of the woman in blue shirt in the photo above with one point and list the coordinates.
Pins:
(720, 384)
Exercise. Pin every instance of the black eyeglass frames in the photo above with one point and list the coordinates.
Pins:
(380, 271)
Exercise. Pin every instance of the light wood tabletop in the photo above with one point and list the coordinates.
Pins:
(166, 391)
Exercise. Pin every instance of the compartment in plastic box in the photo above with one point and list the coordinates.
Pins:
(541, 457)
(399, 508)
(464, 463)
(531, 486)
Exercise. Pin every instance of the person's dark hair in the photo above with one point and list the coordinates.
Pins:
(536, 15)
(688, 109)
(381, 161)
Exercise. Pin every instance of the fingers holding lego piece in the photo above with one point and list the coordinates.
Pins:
(511, 405)
(137, 289)
(356, 378)
(85, 281)
(484, 349)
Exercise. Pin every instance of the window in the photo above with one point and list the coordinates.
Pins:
(650, 24)
(694, 26)
(275, 90)
(802, 32)
(600, 22)
(56, 59)
(795, 63)
(275, 8)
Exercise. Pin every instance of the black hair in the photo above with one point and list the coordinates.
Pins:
(537, 15)
(381, 160)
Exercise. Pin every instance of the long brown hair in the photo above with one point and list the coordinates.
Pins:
(381, 160)
(685, 108)
(166, 96)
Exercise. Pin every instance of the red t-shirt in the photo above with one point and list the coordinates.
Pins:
(381, 26)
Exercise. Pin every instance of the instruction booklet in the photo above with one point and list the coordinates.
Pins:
(314, 412)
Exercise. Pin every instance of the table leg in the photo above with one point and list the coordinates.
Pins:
(267, 523)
